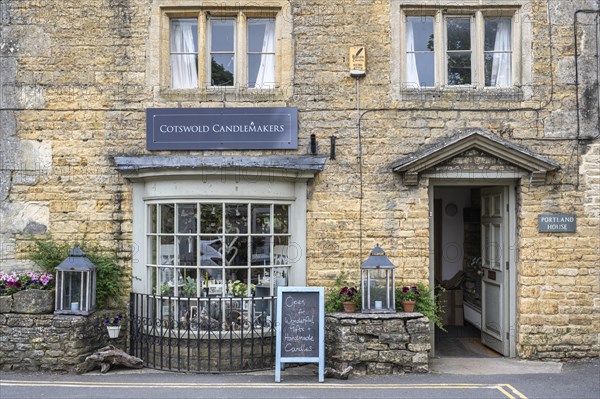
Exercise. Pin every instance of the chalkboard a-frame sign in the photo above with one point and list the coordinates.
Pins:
(300, 328)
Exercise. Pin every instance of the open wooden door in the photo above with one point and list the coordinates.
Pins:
(495, 261)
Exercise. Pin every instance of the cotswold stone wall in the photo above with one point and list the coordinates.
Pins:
(78, 75)
(46, 342)
(378, 343)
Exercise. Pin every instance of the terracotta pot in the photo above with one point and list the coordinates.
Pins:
(349, 307)
(409, 306)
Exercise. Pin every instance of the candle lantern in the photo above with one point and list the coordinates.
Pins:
(378, 283)
(76, 285)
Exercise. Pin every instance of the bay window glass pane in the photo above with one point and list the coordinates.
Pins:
(210, 251)
(281, 250)
(261, 251)
(167, 281)
(184, 53)
(280, 219)
(420, 62)
(167, 218)
(222, 52)
(498, 51)
(261, 52)
(186, 218)
(211, 218)
(214, 279)
(236, 251)
(237, 282)
(236, 219)
(187, 251)
(152, 250)
(151, 219)
(190, 283)
(167, 251)
(261, 219)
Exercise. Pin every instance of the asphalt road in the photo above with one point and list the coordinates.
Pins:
(576, 381)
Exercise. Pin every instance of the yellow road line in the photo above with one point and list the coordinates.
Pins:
(519, 394)
(501, 389)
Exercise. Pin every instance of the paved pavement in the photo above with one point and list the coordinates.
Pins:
(464, 378)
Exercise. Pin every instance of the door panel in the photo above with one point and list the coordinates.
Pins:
(494, 282)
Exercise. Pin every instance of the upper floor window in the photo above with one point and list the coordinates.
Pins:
(232, 59)
(458, 48)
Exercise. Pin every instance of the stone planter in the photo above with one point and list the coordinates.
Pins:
(33, 301)
(5, 304)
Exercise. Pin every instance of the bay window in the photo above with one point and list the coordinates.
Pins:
(209, 248)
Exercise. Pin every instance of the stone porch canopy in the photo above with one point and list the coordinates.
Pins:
(294, 167)
(519, 158)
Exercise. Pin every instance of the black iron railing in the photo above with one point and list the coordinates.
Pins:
(203, 335)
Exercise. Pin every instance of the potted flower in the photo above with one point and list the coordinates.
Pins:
(113, 325)
(348, 297)
(408, 297)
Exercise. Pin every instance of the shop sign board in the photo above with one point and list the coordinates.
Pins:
(300, 328)
(222, 128)
(557, 223)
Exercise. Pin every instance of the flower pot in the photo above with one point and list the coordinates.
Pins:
(409, 306)
(349, 307)
(113, 331)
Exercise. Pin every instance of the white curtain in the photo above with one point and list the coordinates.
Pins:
(501, 63)
(184, 74)
(412, 74)
(265, 79)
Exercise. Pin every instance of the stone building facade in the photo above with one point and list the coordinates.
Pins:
(387, 159)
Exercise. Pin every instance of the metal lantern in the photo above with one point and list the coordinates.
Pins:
(378, 283)
(76, 285)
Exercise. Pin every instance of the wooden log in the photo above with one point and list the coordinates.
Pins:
(107, 357)
(342, 375)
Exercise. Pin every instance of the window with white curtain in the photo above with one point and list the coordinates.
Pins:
(239, 51)
(457, 47)
(184, 53)
(498, 52)
(261, 52)
(420, 60)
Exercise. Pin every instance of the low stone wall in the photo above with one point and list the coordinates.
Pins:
(48, 342)
(378, 343)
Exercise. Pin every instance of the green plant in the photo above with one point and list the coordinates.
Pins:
(341, 292)
(427, 303)
(165, 289)
(240, 289)
(189, 287)
(407, 293)
(48, 254)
